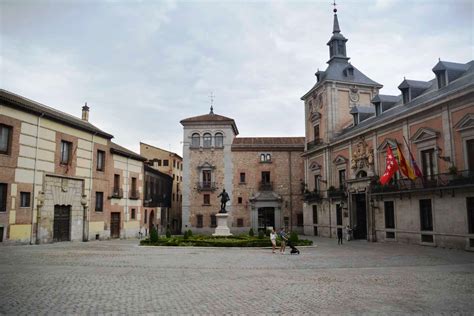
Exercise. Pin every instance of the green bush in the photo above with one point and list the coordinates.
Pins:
(261, 234)
(186, 235)
(168, 232)
(251, 233)
(293, 237)
(153, 235)
(190, 233)
(267, 233)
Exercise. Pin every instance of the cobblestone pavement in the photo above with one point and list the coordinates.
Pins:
(119, 277)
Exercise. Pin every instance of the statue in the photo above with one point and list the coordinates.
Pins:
(224, 198)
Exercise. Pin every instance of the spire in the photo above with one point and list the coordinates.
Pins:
(337, 43)
(212, 103)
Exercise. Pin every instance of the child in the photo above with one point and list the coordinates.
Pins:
(273, 237)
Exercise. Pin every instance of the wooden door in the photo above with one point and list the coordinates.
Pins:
(115, 225)
(62, 223)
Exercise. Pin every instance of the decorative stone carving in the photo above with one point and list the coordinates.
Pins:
(363, 156)
(354, 95)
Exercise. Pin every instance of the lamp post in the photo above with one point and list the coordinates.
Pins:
(84, 218)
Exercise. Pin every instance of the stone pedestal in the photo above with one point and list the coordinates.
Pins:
(222, 229)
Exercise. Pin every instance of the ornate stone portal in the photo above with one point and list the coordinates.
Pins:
(363, 159)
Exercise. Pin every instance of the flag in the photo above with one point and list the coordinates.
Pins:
(414, 165)
(404, 166)
(391, 167)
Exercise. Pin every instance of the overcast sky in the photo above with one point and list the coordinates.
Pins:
(142, 66)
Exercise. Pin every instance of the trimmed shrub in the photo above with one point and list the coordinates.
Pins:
(153, 235)
(251, 233)
(190, 233)
(186, 235)
(168, 232)
(293, 237)
(261, 234)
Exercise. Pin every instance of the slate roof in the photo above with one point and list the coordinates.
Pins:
(465, 82)
(406, 83)
(385, 98)
(268, 143)
(14, 100)
(210, 118)
(122, 151)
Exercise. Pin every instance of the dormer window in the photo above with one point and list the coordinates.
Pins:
(441, 78)
(406, 95)
(378, 108)
(356, 119)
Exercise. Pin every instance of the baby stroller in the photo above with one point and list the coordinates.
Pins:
(294, 250)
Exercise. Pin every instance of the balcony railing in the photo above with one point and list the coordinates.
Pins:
(438, 181)
(134, 195)
(312, 196)
(117, 193)
(314, 143)
(265, 186)
(206, 186)
(336, 193)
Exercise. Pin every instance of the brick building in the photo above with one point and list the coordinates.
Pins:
(171, 164)
(62, 178)
(350, 126)
(262, 176)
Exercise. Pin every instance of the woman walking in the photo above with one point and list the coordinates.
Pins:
(273, 237)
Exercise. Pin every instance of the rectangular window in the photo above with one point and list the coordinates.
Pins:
(116, 184)
(199, 223)
(389, 214)
(242, 177)
(299, 219)
(159, 162)
(240, 222)
(338, 214)
(206, 178)
(342, 178)
(133, 215)
(239, 200)
(174, 163)
(470, 154)
(5, 139)
(315, 214)
(134, 193)
(426, 216)
(206, 199)
(317, 177)
(25, 199)
(3, 197)
(146, 215)
(166, 163)
(470, 214)
(213, 221)
(316, 132)
(65, 152)
(99, 201)
(427, 160)
(100, 160)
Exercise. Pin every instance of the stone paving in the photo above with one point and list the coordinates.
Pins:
(119, 277)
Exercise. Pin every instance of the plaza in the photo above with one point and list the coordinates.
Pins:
(120, 277)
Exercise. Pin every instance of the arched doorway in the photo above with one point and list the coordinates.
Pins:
(151, 220)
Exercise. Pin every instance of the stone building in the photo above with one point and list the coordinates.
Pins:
(350, 125)
(156, 197)
(171, 164)
(261, 175)
(62, 178)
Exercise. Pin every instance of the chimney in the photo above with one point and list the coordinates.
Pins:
(85, 113)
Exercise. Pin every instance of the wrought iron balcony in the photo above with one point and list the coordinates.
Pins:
(134, 195)
(117, 193)
(206, 186)
(336, 193)
(314, 143)
(452, 180)
(265, 186)
(312, 196)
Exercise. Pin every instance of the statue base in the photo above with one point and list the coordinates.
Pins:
(222, 229)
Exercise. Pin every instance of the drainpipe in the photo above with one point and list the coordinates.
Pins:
(128, 192)
(34, 188)
(291, 192)
(87, 215)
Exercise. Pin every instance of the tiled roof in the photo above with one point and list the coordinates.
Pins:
(122, 151)
(210, 118)
(31, 106)
(268, 143)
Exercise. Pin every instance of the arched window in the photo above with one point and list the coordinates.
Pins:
(262, 157)
(361, 174)
(219, 140)
(195, 140)
(207, 140)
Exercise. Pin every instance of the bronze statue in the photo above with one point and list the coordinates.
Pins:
(224, 198)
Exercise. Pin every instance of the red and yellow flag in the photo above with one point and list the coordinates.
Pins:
(405, 168)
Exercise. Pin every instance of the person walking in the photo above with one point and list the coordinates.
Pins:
(339, 236)
(283, 238)
(273, 237)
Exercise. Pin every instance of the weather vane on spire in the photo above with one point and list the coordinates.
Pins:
(334, 4)
(212, 103)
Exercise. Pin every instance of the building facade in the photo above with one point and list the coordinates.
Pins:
(62, 178)
(350, 126)
(261, 175)
(171, 164)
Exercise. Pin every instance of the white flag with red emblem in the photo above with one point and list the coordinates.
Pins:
(392, 167)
